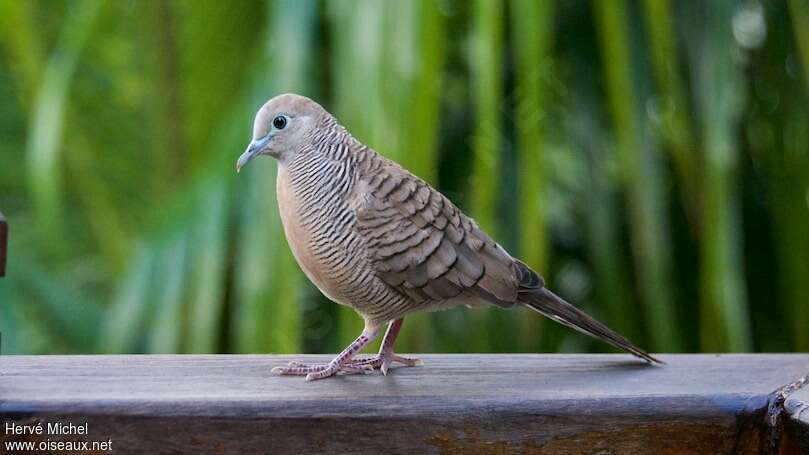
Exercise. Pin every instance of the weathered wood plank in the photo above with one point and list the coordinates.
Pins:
(455, 403)
(796, 419)
(3, 244)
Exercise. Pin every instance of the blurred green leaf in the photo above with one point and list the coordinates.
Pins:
(209, 258)
(60, 309)
(165, 329)
(47, 119)
(131, 305)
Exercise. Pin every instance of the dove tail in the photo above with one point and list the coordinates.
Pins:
(549, 304)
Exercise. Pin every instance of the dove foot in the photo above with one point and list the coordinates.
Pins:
(340, 364)
(320, 370)
(345, 363)
(386, 356)
(384, 360)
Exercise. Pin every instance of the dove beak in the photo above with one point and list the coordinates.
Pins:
(255, 149)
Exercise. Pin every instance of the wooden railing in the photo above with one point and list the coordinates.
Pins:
(453, 404)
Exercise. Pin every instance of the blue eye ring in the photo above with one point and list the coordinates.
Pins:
(279, 122)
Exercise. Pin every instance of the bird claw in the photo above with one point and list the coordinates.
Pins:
(383, 361)
(321, 370)
(355, 366)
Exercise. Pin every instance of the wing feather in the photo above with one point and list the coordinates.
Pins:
(422, 245)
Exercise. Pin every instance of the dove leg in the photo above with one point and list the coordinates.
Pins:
(386, 355)
(340, 363)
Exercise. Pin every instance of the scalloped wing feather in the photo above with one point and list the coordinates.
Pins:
(423, 246)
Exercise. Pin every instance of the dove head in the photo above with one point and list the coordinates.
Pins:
(282, 127)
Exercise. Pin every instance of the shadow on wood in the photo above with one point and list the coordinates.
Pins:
(454, 404)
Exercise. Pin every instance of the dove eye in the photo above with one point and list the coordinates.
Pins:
(279, 122)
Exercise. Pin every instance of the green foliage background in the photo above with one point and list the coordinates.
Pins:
(650, 158)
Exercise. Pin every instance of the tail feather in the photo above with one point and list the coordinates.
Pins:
(549, 304)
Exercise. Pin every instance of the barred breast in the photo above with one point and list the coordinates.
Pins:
(315, 194)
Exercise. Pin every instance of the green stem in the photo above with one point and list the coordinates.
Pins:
(673, 108)
(532, 25)
(640, 173)
(717, 83)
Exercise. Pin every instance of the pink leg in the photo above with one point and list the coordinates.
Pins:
(386, 355)
(340, 363)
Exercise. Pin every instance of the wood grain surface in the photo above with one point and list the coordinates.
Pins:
(453, 404)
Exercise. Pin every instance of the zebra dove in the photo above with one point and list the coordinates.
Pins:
(373, 236)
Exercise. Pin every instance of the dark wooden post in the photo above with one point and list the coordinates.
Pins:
(795, 417)
(3, 244)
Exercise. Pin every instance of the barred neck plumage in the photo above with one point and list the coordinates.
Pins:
(334, 142)
(323, 173)
(331, 147)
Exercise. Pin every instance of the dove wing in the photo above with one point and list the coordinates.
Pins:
(422, 245)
